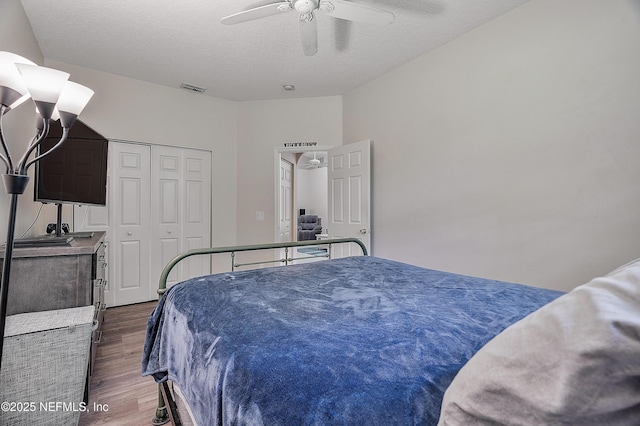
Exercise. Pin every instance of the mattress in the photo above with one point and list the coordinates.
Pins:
(352, 341)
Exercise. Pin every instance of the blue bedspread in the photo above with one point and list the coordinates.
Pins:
(354, 341)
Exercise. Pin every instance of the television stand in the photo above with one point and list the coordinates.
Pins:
(87, 234)
(43, 241)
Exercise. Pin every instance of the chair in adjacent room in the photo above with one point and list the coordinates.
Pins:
(309, 225)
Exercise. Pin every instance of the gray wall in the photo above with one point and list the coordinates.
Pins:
(511, 152)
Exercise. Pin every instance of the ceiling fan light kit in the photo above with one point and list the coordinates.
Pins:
(314, 163)
(305, 6)
(306, 9)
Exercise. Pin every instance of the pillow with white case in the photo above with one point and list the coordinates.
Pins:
(575, 361)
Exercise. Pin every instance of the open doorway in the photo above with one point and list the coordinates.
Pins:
(348, 199)
(308, 191)
(311, 194)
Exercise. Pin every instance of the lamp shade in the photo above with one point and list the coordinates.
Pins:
(74, 98)
(44, 85)
(13, 91)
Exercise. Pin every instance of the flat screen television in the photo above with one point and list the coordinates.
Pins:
(76, 172)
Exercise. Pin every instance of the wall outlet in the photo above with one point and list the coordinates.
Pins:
(259, 215)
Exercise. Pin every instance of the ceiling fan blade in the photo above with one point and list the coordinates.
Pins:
(356, 12)
(257, 13)
(309, 33)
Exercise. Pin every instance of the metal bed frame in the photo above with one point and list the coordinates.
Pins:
(167, 408)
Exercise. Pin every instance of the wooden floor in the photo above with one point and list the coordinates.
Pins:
(117, 383)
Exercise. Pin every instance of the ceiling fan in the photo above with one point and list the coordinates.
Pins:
(314, 163)
(308, 25)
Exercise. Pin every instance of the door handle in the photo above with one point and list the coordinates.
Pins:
(363, 231)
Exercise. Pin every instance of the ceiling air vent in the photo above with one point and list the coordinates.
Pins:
(192, 88)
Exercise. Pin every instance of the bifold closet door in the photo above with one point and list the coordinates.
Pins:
(131, 225)
(158, 205)
(180, 213)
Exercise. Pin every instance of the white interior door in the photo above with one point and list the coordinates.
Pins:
(166, 214)
(181, 211)
(349, 180)
(158, 205)
(196, 205)
(286, 200)
(131, 224)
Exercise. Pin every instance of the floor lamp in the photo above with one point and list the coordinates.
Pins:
(55, 98)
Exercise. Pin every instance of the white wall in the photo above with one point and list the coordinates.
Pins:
(512, 151)
(17, 37)
(264, 126)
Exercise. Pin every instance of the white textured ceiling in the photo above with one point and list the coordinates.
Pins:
(170, 42)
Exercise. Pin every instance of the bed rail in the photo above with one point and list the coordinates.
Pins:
(167, 412)
(162, 287)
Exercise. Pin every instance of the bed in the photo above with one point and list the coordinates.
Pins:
(363, 340)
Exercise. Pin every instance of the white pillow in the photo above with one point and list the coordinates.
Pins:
(573, 361)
